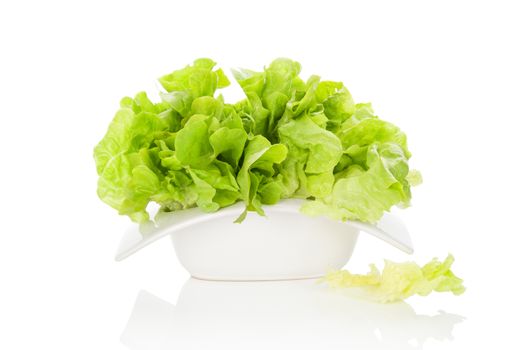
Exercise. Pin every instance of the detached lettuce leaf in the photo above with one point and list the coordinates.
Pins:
(399, 281)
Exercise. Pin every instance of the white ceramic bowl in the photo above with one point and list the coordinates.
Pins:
(283, 245)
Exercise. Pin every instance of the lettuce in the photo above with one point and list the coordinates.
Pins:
(399, 281)
(287, 138)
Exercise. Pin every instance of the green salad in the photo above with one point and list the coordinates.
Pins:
(288, 138)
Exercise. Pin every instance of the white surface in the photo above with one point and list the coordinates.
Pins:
(284, 244)
(449, 73)
(290, 313)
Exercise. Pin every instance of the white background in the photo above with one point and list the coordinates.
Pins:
(450, 74)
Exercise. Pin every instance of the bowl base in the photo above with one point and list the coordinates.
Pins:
(270, 279)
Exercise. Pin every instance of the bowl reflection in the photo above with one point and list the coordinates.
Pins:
(286, 313)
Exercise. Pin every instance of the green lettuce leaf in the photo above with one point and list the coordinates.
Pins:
(323, 147)
(317, 153)
(126, 180)
(365, 193)
(185, 85)
(289, 138)
(257, 171)
(399, 281)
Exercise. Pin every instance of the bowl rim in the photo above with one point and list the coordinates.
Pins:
(389, 228)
